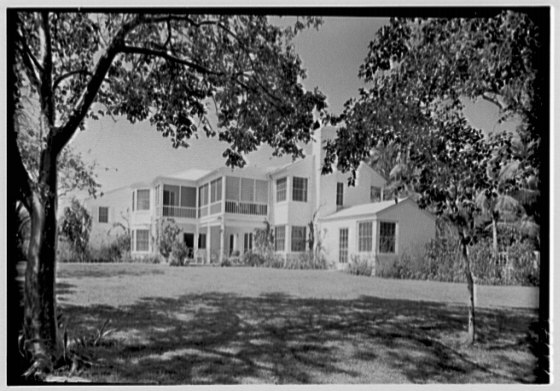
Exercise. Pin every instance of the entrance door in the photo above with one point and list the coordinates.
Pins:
(343, 246)
(231, 244)
(188, 238)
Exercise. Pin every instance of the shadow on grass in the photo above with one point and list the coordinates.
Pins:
(216, 338)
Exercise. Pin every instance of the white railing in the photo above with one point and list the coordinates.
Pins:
(178, 211)
(246, 208)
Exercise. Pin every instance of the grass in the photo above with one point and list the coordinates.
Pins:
(256, 325)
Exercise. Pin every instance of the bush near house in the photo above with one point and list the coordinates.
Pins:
(441, 262)
(361, 266)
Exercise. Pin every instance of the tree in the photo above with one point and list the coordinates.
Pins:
(76, 227)
(168, 68)
(169, 234)
(419, 73)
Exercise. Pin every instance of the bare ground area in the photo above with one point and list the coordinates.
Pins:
(206, 325)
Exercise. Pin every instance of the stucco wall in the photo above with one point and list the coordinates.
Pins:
(118, 201)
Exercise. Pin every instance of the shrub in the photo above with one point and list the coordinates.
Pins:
(524, 264)
(361, 266)
(305, 260)
(253, 258)
(179, 254)
(168, 237)
(76, 227)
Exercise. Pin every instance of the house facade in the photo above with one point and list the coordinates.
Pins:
(218, 211)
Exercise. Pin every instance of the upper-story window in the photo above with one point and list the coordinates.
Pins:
(103, 215)
(339, 195)
(375, 194)
(281, 187)
(203, 195)
(299, 189)
(216, 190)
(143, 199)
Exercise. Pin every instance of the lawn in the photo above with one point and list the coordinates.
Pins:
(205, 325)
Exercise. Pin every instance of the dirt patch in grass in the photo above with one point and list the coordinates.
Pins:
(244, 328)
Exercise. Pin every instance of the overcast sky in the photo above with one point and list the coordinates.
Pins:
(129, 153)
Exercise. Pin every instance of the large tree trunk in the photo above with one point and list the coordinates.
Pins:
(471, 331)
(40, 317)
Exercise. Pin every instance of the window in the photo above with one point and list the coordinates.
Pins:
(281, 186)
(387, 237)
(299, 191)
(248, 241)
(216, 190)
(133, 204)
(143, 199)
(279, 238)
(170, 195)
(201, 241)
(247, 190)
(339, 195)
(188, 197)
(203, 195)
(142, 240)
(103, 214)
(365, 236)
(343, 245)
(298, 239)
(375, 194)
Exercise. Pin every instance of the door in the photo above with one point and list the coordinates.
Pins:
(188, 238)
(231, 243)
(343, 246)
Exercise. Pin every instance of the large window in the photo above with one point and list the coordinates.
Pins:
(299, 190)
(387, 237)
(203, 195)
(298, 239)
(365, 236)
(143, 199)
(247, 241)
(281, 186)
(103, 214)
(216, 190)
(279, 238)
(142, 240)
(343, 245)
(339, 195)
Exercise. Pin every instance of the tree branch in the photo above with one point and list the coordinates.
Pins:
(65, 132)
(61, 78)
(168, 56)
(493, 98)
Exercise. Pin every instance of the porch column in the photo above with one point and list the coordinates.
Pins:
(208, 242)
(222, 237)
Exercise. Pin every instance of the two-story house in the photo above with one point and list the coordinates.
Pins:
(218, 211)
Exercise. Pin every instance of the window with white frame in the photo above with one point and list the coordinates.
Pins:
(142, 240)
(281, 188)
(365, 236)
(387, 237)
(203, 195)
(248, 241)
(375, 194)
(299, 189)
(143, 199)
(339, 195)
(279, 237)
(343, 245)
(298, 239)
(216, 190)
(103, 214)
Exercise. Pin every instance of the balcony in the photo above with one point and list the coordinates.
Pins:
(181, 212)
(246, 208)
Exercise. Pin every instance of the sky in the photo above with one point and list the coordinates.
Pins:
(126, 153)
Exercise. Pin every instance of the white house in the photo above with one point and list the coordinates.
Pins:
(218, 211)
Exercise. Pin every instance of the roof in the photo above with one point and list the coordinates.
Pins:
(371, 208)
(191, 174)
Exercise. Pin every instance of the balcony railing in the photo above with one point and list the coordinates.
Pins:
(178, 211)
(246, 208)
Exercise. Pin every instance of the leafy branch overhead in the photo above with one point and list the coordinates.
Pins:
(172, 69)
